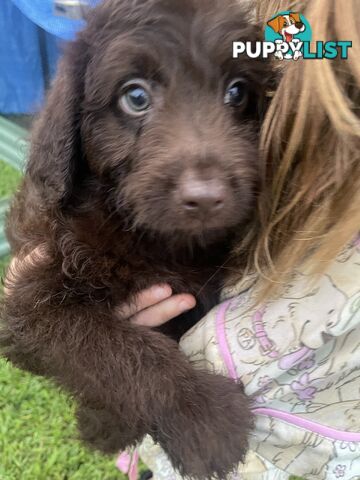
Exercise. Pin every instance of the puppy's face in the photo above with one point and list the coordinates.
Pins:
(169, 119)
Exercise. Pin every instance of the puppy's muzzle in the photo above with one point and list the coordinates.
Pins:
(201, 197)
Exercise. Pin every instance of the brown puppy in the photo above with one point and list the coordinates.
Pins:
(143, 162)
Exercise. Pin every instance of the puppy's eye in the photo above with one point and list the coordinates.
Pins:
(236, 93)
(136, 98)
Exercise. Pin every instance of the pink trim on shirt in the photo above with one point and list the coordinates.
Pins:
(128, 464)
(309, 425)
(221, 336)
(133, 470)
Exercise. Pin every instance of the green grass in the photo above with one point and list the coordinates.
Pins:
(38, 438)
(9, 179)
(3, 263)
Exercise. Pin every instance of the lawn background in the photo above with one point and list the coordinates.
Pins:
(38, 438)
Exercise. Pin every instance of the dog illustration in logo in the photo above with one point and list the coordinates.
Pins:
(288, 26)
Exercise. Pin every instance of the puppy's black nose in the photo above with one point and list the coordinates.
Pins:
(199, 196)
(299, 25)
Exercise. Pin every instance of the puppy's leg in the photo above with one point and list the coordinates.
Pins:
(129, 380)
(103, 429)
(199, 444)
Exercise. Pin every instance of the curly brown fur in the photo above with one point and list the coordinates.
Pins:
(101, 194)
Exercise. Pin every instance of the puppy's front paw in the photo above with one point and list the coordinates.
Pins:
(208, 437)
(104, 431)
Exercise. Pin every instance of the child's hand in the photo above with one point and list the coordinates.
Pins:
(151, 308)
(156, 305)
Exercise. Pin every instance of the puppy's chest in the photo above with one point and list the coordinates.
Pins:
(140, 264)
(201, 280)
(197, 277)
(124, 264)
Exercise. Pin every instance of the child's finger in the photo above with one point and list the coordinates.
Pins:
(164, 311)
(144, 299)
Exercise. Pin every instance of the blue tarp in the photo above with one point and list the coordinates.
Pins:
(41, 12)
(22, 76)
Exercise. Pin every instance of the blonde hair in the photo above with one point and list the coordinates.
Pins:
(309, 206)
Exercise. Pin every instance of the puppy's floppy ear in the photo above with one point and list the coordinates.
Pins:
(276, 23)
(296, 17)
(56, 144)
